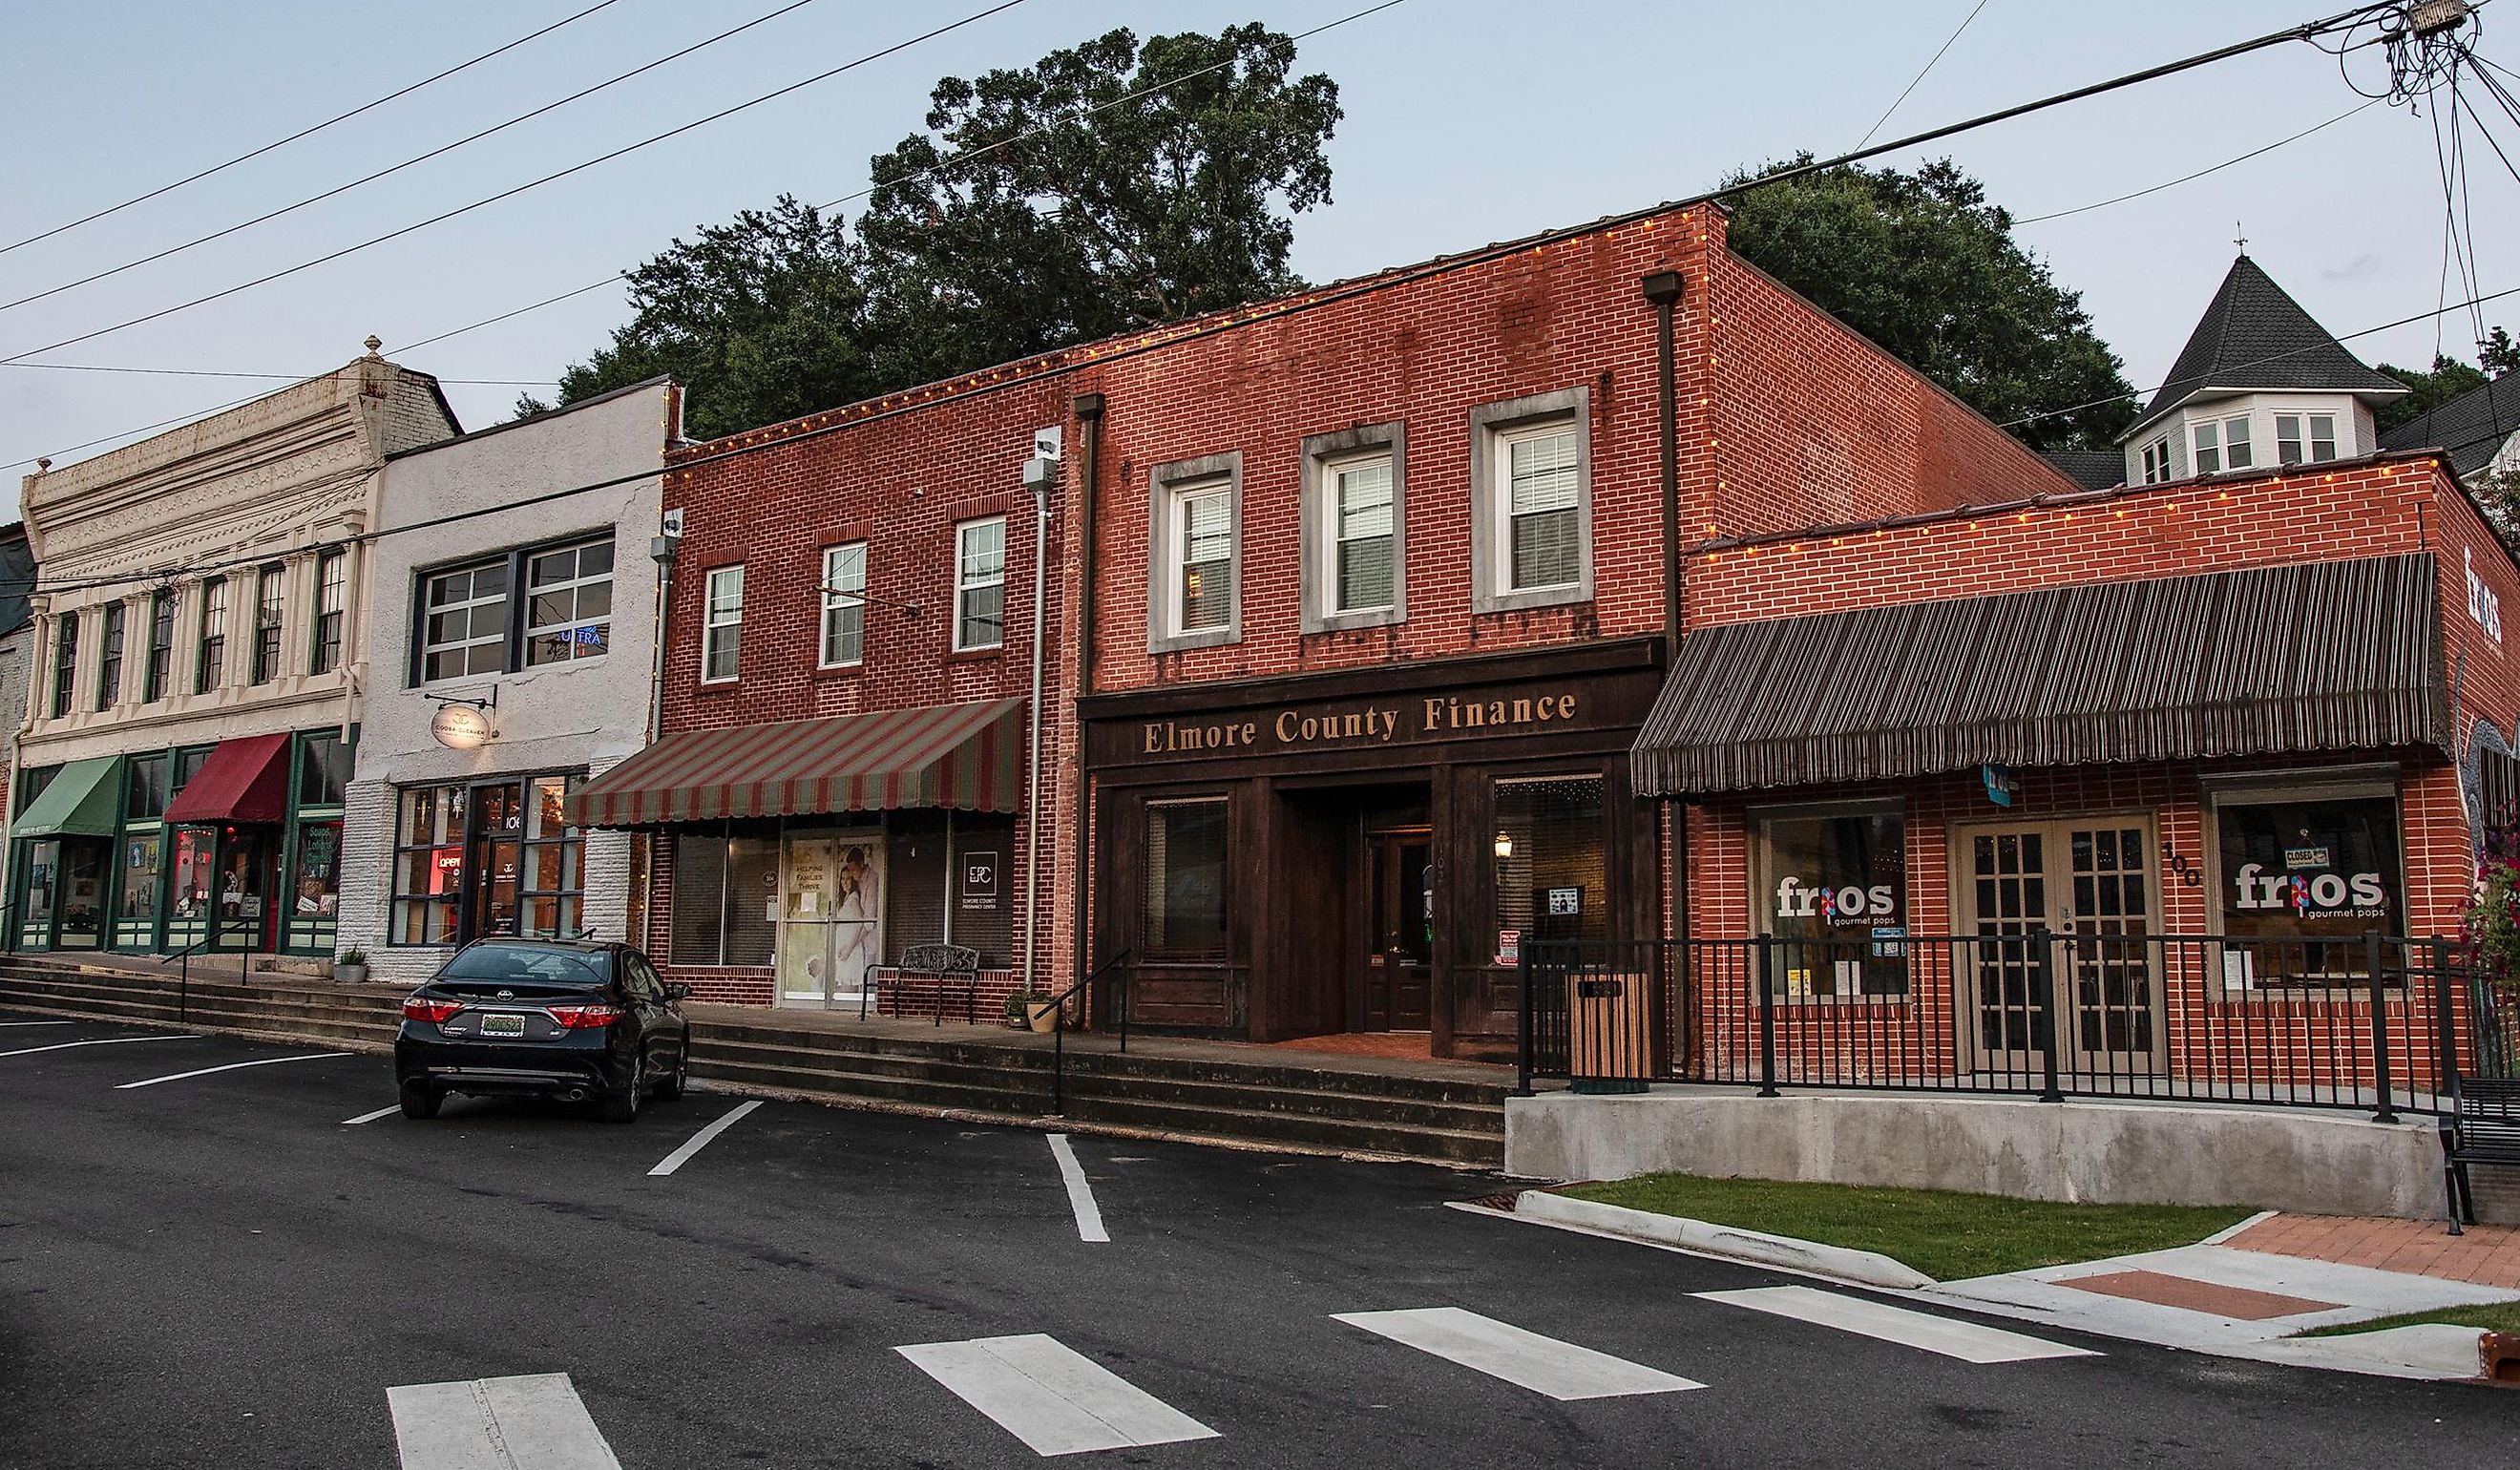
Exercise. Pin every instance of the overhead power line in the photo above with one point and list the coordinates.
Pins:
(1919, 77)
(2189, 178)
(444, 148)
(508, 194)
(494, 383)
(364, 106)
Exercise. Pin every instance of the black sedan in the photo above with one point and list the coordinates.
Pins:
(570, 1019)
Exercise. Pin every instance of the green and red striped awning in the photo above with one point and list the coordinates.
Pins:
(964, 756)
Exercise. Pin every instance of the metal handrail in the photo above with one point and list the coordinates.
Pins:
(184, 973)
(1058, 1021)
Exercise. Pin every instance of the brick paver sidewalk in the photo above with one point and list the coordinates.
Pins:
(2486, 1255)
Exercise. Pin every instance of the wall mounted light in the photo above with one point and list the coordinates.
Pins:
(1503, 846)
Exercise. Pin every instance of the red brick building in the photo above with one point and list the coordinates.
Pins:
(1355, 602)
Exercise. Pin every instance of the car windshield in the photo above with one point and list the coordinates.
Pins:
(537, 964)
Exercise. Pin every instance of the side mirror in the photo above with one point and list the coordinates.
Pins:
(677, 991)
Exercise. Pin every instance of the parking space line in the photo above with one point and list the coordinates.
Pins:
(33, 1023)
(700, 1140)
(372, 1117)
(1051, 1396)
(1542, 1364)
(533, 1421)
(1967, 1341)
(103, 1041)
(268, 1061)
(1080, 1195)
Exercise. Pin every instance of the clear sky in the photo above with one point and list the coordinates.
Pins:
(1467, 121)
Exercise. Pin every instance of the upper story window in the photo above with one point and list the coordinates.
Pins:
(1360, 575)
(464, 621)
(844, 573)
(1355, 532)
(210, 665)
(2157, 468)
(161, 645)
(1531, 494)
(64, 663)
(266, 623)
(722, 636)
(2222, 444)
(568, 603)
(2305, 439)
(331, 605)
(1194, 554)
(980, 584)
(109, 662)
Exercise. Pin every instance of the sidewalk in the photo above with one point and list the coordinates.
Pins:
(2247, 1292)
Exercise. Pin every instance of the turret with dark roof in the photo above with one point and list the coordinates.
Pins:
(2256, 338)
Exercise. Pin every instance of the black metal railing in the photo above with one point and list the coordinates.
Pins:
(1080, 996)
(183, 960)
(2371, 1021)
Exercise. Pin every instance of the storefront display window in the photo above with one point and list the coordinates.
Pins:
(135, 912)
(189, 905)
(319, 873)
(1835, 885)
(2305, 876)
(1186, 888)
(1552, 872)
(726, 884)
(487, 858)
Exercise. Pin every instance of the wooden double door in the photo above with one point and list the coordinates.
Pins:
(1400, 931)
(2091, 881)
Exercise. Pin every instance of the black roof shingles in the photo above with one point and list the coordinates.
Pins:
(2255, 337)
(2090, 469)
(2471, 428)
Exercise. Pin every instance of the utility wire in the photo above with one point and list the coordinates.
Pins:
(445, 147)
(493, 383)
(508, 194)
(918, 173)
(1920, 76)
(305, 133)
(2190, 178)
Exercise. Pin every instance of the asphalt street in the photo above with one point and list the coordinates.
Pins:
(219, 1270)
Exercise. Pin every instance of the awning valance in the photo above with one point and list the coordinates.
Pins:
(964, 756)
(2332, 655)
(83, 800)
(244, 780)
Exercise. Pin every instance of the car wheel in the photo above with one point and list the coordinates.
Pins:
(624, 1107)
(419, 1101)
(679, 1081)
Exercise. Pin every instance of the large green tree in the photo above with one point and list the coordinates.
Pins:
(1109, 185)
(1924, 266)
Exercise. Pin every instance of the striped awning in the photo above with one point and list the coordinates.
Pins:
(2323, 656)
(964, 756)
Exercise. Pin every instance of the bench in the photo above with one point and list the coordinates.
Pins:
(2483, 1127)
(941, 965)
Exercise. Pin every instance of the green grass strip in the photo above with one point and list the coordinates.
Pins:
(1948, 1236)
(2493, 1316)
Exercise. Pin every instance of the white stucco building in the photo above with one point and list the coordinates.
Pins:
(514, 630)
(198, 671)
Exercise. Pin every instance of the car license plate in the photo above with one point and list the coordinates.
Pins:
(503, 1024)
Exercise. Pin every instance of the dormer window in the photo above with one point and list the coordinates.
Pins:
(2222, 444)
(2156, 461)
(2305, 439)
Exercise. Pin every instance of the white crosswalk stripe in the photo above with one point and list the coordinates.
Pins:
(1051, 1396)
(1501, 1350)
(1966, 1341)
(534, 1421)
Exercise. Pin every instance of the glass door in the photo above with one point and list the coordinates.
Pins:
(249, 870)
(43, 874)
(805, 920)
(2089, 883)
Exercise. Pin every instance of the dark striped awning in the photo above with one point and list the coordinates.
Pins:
(2331, 655)
(964, 756)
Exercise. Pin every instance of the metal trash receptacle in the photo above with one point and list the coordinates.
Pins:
(1611, 1033)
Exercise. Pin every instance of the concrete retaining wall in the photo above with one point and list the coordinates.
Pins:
(2095, 1152)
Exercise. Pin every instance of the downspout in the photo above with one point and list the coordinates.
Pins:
(1089, 463)
(1032, 776)
(1662, 290)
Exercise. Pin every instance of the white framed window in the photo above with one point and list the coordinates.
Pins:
(722, 625)
(1362, 564)
(2305, 439)
(1355, 529)
(463, 629)
(2222, 444)
(844, 573)
(568, 603)
(1531, 502)
(980, 584)
(1202, 580)
(2157, 466)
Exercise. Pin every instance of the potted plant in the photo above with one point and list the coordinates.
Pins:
(1033, 1008)
(351, 966)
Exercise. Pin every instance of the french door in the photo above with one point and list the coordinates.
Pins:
(2090, 882)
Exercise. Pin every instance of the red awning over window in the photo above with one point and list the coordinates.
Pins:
(243, 780)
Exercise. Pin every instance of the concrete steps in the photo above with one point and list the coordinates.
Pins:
(1263, 1100)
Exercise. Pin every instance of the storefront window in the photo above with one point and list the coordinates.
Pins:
(428, 864)
(977, 896)
(551, 903)
(43, 869)
(726, 883)
(135, 910)
(1186, 877)
(495, 858)
(1551, 860)
(196, 855)
(1835, 887)
(319, 875)
(2306, 877)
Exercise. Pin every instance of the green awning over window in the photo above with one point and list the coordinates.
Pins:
(84, 801)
